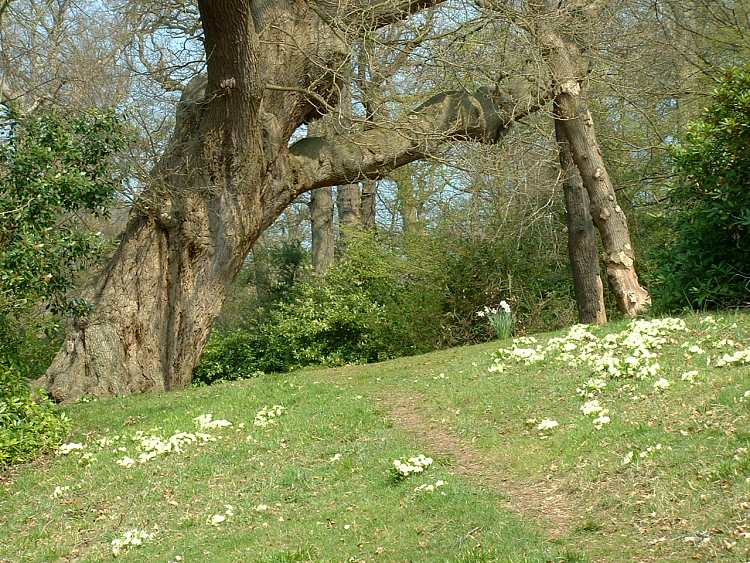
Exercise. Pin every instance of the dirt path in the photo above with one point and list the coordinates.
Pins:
(543, 501)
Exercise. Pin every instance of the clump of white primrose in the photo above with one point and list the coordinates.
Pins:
(131, 538)
(593, 408)
(268, 415)
(207, 422)
(430, 487)
(152, 446)
(547, 424)
(59, 491)
(739, 358)
(65, 449)
(416, 464)
(629, 353)
(216, 519)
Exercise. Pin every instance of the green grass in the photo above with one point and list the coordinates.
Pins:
(696, 486)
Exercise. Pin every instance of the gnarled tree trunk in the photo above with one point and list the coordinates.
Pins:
(213, 193)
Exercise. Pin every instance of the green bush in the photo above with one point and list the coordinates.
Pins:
(388, 297)
(53, 167)
(29, 425)
(708, 262)
(373, 305)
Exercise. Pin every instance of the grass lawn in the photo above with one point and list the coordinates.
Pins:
(665, 478)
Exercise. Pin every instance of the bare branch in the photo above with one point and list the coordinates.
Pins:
(373, 14)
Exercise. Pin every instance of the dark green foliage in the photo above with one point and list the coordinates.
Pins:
(387, 297)
(530, 272)
(52, 168)
(28, 425)
(708, 262)
(375, 304)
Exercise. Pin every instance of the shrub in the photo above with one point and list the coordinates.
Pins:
(53, 167)
(708, 262)
(375, 304)
(28, 425)
(389, 297)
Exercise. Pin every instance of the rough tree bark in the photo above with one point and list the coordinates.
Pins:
(582, 249)
(567, 67)
(321, 221)
(229, 172)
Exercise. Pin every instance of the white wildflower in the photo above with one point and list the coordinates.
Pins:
(547, 424)
(59, 491)
(429, 487)
(65, 449)
(206, 422)
(130, 538)
(268, 415)
(217, 519)
(87, 458)
(416, 464)
(126, 462)
(601, 421)
(496, 367)
(689, 376)
(740, 357)
(661, 384)
(591, 407)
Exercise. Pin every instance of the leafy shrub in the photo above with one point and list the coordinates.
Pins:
(708, 262)
(388, 297)
(229, 355)
(373, 305)
(28, 425)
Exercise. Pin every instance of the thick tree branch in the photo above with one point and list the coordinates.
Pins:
(483, 116)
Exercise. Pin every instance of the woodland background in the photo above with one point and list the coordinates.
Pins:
(385, 267)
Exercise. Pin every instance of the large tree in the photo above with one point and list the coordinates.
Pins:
(230, 170)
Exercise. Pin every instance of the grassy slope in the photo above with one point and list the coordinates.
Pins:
(696, 486)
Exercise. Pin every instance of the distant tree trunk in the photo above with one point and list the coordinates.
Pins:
(348, 201)
(582, 249)
(568, 68)
(407, 200)
(321, 220)
(368, 201)
(608, 216)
